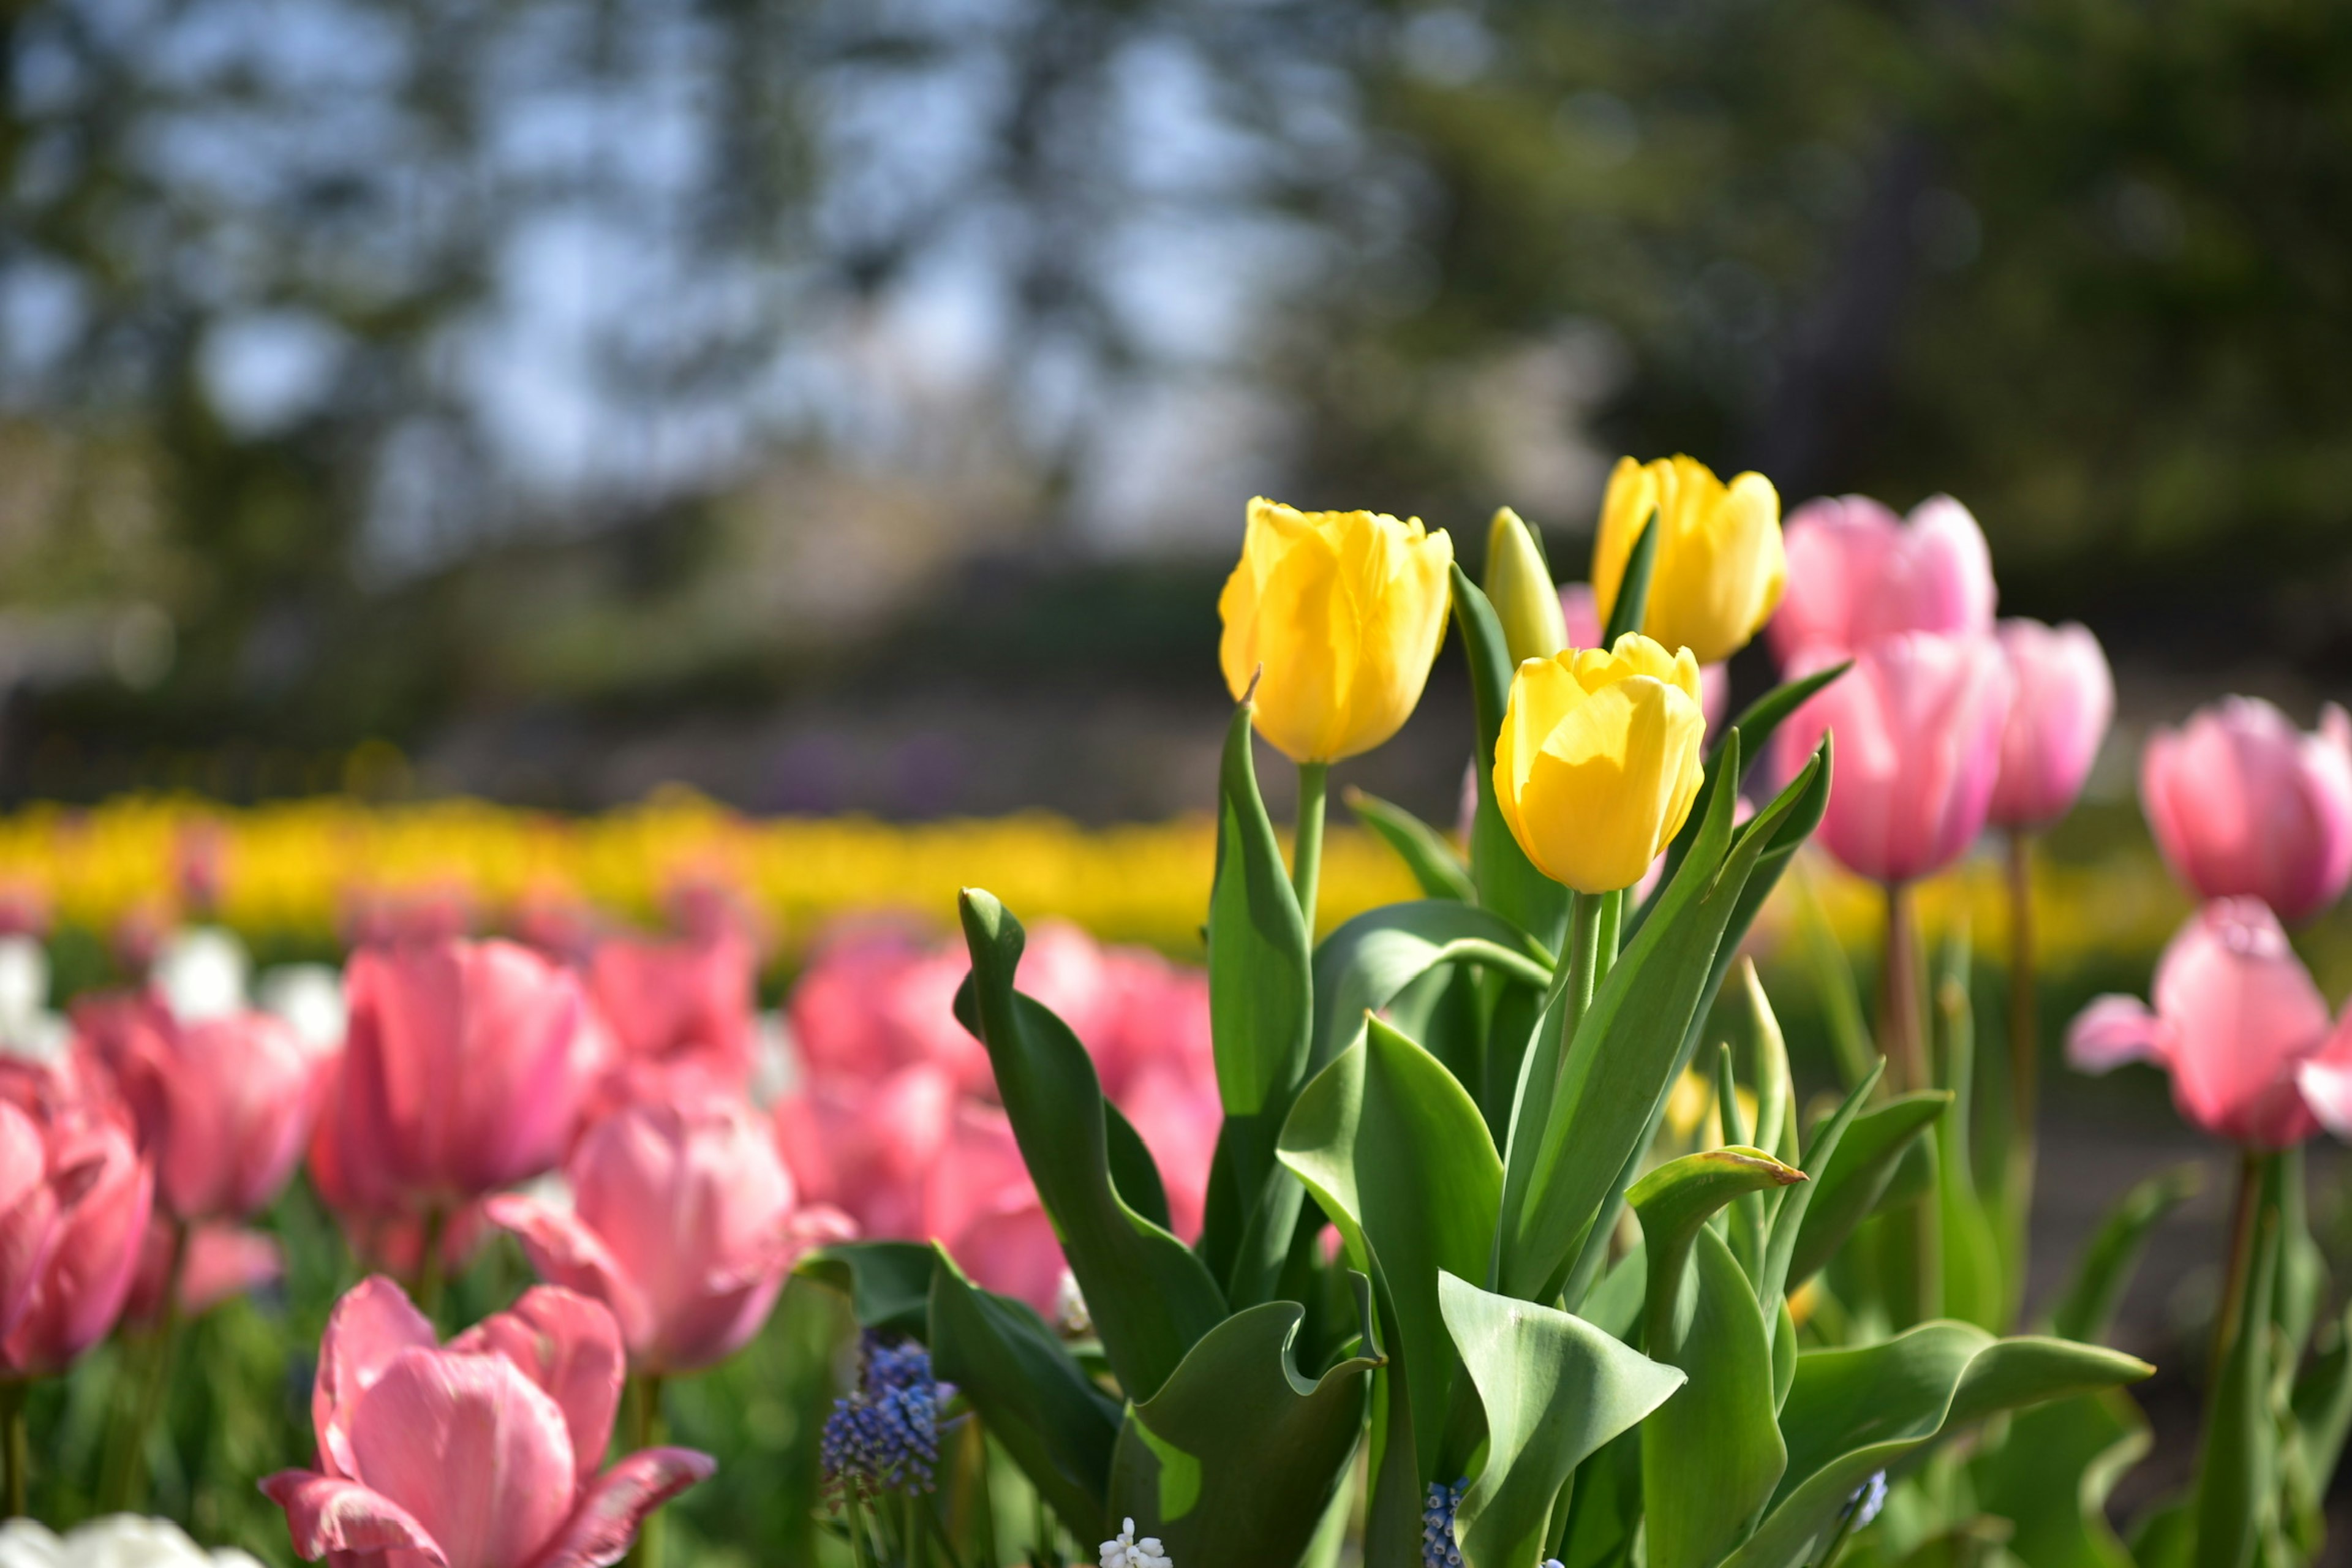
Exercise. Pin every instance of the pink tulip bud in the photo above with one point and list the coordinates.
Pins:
(684, 1224)
(2063, 700)
(223, 1105)
(102, 1193)
(2236, 1021)
(464, 1070)
(2242, 803)
(1857, 573)
(487, 1452)
(1917, 731)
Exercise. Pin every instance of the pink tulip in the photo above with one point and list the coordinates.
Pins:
(2241, 802)
(665, 999)
(217, 1262)
(684, 1224)
(868, 1148)
(104, 1193)
(464, 1071)
(487, 1452)
(981, 1205)
(874, 1001)
(1857, 573)
(2237, 1019)
(1582, 612)
(1917, 725)
(28, 1211)
(223, 1105)
(2063, 700)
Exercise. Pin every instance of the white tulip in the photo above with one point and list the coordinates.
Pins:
(117, 1540)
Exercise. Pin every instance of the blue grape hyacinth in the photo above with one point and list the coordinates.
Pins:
(884, 1435)
(1437, 1546)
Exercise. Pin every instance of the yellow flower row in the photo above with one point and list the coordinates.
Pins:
(298, 869)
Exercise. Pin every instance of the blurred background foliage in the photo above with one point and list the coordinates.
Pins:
(849, 403)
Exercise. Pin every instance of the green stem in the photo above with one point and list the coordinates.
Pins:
(16, 1449)
(1612, 922)
(1584, 957)
(1898, 995)
(644, 1431)
(2241, 1253)
(1306, 851)
(860, 1552)
(2024, 1058)
(128, 1470)
(429, 1273)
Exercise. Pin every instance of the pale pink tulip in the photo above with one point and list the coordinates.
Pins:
(2236, 1020)
(868, 1148)
(487, 1452)
(105, 1192)
(1582, 613)
(667, 1000)
(223, 1105)
(684, 1222)
(1857, 573)
(1917, 725)
(983, 1207)
(2242, 803)
(2063, 698)
(464, 1071)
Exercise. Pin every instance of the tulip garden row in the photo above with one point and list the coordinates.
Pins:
(1490, 1229)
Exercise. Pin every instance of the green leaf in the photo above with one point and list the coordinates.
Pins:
(1614, 1304)
(1582, 1112)
(2051, 1473)
(1397, 1155)
(1150, 1297)
(1033, 1399)
(2323, 1402)
(1789, 1224)
(2112, 1256)
(1554, 1389)
(1976, 1289)
(1712, 1454)
(1853, 1412)
(2237, 1467)
(888, 1283)
(1858, 1176)
(1631, 605)
(1233, 1460)
(1506, 881)
(1133, 1172)
(1833, 987)
(1434, 862)
(1363, 965)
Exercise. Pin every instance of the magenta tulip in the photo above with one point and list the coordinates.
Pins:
(1857, 573)
(104, 1194)
(2236, 1021)
(2063, 698)
(2242, 803)
(668, 1000)
(1916, 727)
(684, 1222)
(223, 1105)
(464, 1071)
(484, 1453)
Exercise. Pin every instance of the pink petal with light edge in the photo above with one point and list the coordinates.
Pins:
(2113, 1031)
(564, 1251)
(569, 1346)
(327, 1513)
(478, 1453)
(600, 1529)
(372, 1324)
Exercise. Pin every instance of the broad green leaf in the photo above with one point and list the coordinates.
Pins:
(1507, 882)
(1150, 1297)
(1614, 1303)
(2050, 1474)
(1133, 1172)
(1788, 1222)
(1395, 1152)
(1712, 1453)
(1434, 863)
(2166, 1535)
(1235, 1459)
(888, 1283)
(2323, 1402)
(1975, 1287)
(1554, 1389)
(1853, 1412)
(2112, 1256)
(1584, 1109)
(2237, 1467)
(1858, 1176)
(1032, 1397)
(1363, 965)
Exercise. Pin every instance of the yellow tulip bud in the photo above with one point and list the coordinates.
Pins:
(1520, 586)
(1342, 612)
(1719, 568)
(1599, 760)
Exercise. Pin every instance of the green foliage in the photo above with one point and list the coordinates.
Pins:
(1435, 865)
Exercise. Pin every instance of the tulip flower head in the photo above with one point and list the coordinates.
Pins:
(1520, 586)
(2062, 699)
(1919, 722)
(100, 1194)
(1857, 573)
(1335, 616)
(2237, 1023)
(665, 999)
(2242, 803)
(683, 1223)
(1598, 761)
(1581, 618)
(486, 1453)
(1719, 569)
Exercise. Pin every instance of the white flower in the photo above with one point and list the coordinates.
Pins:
(310, 997)
(202, 973)
(1126, 1551)
(117, 1540)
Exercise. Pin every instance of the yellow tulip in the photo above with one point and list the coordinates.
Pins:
(1342, 611)
(1719, 567)
(1520, 586)
(1599, 760)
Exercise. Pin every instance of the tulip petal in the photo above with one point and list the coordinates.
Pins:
(600, 1529)
(371, 1325)
(327, 1514)
(569, 1346)
(473, 1448)
(2113, 1031)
